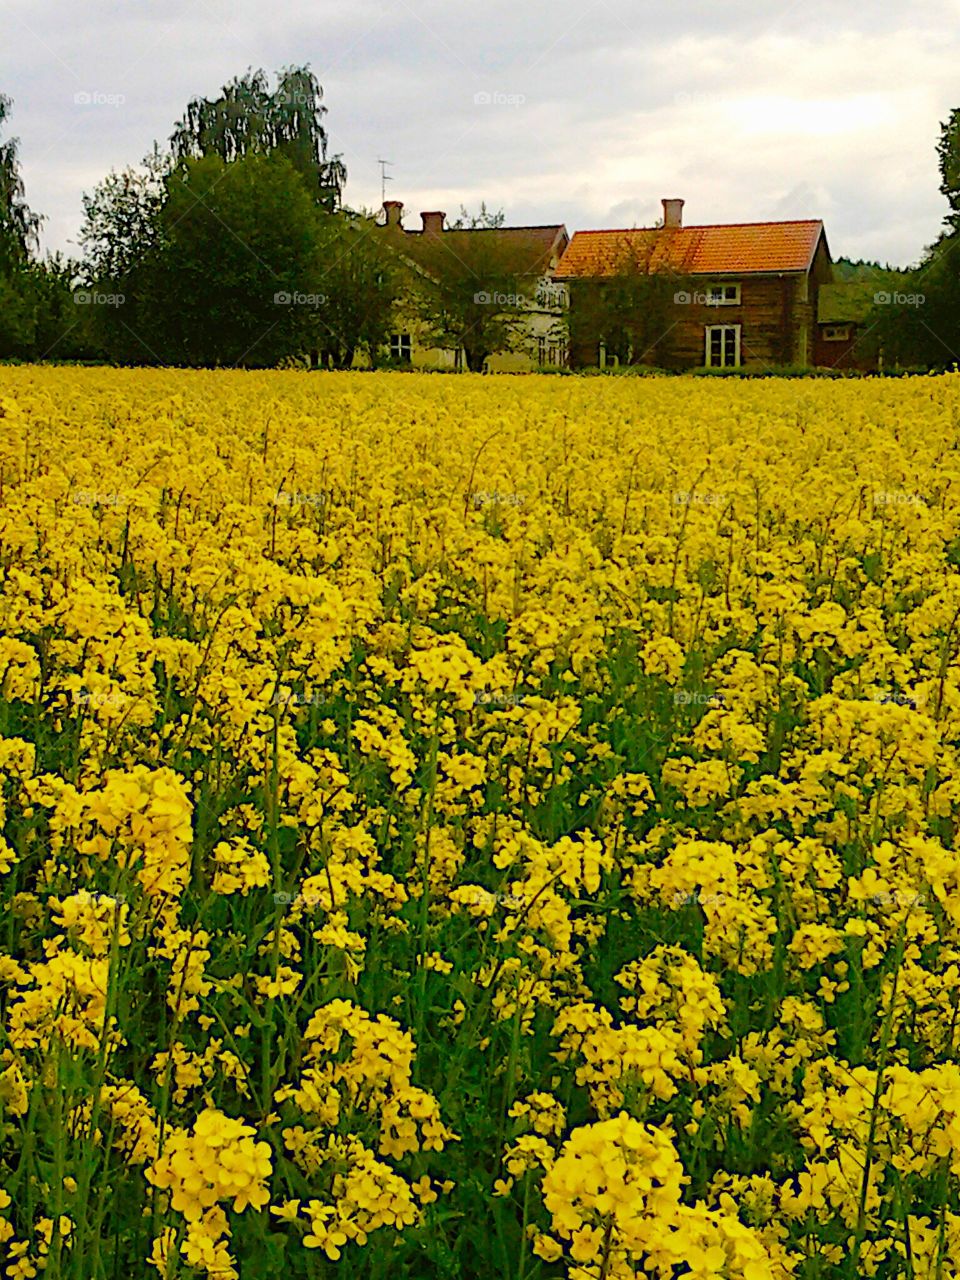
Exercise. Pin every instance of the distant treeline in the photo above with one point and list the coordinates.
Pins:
(231, 245)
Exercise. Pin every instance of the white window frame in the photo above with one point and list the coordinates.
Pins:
(550, 352)
(607, 359)
(717, 295)
(401, 347)
(836, 333)
(708, 331)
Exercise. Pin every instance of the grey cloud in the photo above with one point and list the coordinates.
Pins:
(785, 109)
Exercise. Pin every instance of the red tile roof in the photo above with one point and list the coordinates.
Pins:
(733, 249)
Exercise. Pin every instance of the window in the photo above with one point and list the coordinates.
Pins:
(550, 352)
(722, 346)
(723, 295)
(836, 333)
(551, 296)
(400, 347)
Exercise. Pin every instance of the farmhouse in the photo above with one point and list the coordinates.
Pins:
(487, 260)
(720, 296)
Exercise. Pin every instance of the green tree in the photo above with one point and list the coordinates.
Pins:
(917, 324)
(630, 311)
(948, 152)
(484, 218)
(236, 243)
(120, 240)
(62, 330)
(19, 226)
(473, 286)
(16, 316)
(121, 220)
(19, 230)
(249, 118)
(359, 280)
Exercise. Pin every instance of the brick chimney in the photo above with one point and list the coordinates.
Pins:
(394, 212)
(432, 223)
(672, 213)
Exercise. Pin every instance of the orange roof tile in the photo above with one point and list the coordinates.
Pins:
(734, 249)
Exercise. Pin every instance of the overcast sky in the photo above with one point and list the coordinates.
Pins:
(561, 111)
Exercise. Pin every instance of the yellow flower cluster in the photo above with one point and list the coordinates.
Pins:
(397, 883)
(218, 1160)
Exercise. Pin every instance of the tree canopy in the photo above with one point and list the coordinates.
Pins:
(249, 118)
(474, 285)
(19, 225)
(237, 258)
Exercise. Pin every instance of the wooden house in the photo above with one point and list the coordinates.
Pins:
(741, 294)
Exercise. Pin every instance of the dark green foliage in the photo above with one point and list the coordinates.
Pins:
(474, 284)
(359, 281)
(249, 118)
(19, 226)
(237, 246)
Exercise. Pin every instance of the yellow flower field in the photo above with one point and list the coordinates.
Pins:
(478, 827)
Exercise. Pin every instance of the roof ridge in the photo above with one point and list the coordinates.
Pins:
(532, 226)
(701, 226)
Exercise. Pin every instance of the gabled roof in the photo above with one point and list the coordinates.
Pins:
(534, 247)
(739, 248)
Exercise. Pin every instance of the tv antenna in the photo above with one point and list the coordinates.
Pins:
(384, 177)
